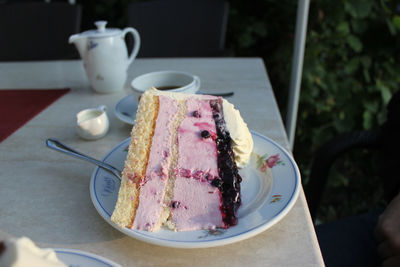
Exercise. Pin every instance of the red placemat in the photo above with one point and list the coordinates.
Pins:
(17, 107)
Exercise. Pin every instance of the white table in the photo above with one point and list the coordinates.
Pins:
(45, 195)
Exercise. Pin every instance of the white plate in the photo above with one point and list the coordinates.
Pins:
(79, 258)
(125, 109)
(267, 196)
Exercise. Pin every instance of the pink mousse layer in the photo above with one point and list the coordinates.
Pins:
(196, 203)
(153, 187)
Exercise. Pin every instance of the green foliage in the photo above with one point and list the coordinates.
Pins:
(351, 68)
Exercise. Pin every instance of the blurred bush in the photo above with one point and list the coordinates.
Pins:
(351, 69)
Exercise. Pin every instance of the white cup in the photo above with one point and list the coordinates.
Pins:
(171, 81)
(92, 123)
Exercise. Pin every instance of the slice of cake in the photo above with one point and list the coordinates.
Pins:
(181, 168)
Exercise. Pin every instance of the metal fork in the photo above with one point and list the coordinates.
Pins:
(60, 147)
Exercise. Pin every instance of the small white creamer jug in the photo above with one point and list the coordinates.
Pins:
(105, 56)
(92, 123)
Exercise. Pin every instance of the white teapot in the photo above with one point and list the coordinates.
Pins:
(105, 56)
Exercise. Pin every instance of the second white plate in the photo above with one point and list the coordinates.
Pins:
(73, 257)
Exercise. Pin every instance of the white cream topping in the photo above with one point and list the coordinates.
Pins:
(240, 134)
(23, 252)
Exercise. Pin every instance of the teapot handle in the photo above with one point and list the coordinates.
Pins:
(136, 42)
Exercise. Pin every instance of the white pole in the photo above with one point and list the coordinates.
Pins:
(297, 69)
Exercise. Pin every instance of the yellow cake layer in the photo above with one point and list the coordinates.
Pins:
(165, 216)
(136, 161)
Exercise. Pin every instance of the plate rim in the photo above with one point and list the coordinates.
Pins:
(118, 114)
(93, 256)
(204, 243)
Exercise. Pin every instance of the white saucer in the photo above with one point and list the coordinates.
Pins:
(125, 109)
(72, 257)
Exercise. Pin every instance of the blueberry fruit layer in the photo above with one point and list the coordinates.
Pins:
(228, 171)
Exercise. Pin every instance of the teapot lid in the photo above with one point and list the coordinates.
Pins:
(101, 30)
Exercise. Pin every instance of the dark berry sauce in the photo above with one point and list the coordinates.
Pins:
(217, 182)
(229, 182)
(196, 114)
(205, 134)
(175, 204)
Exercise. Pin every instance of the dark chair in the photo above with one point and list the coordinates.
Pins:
(38, 31)
(384, 140)
(180, 28)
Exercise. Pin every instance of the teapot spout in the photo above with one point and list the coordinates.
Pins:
(80, 43)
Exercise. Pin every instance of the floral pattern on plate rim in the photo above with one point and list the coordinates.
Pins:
(212, 232)
(266, 161)
(276, 198)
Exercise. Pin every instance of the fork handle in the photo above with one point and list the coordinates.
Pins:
(60, 147)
